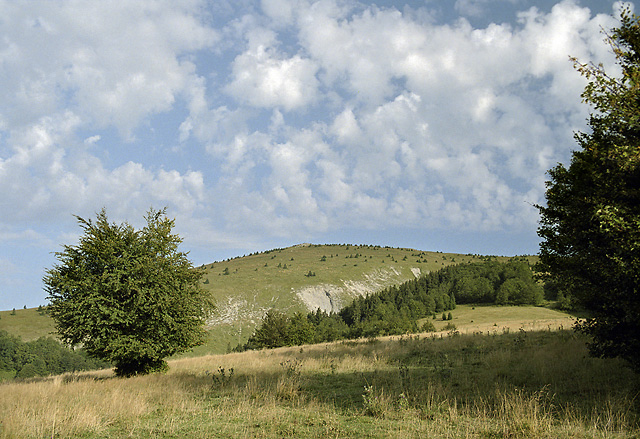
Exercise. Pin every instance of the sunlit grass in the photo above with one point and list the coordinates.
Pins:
(28, 324)
(523, 384)
(256, 283)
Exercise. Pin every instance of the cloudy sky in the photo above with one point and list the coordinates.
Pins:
(259, 124)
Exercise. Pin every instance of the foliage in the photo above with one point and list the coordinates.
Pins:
(278, 329)
(128, 296)
(252, 286)
(41, 357)
(511, 283)
(428, 326)
(591, 224)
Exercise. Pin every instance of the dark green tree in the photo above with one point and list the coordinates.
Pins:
(300, 330)
(128, 296)
(590, 226)
(273, 333)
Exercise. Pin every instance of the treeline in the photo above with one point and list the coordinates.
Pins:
(397, 309)
(41, 357)
(510, 283)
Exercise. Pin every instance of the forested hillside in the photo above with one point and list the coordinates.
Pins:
(41, 357)
(305, 277)
(398, 309)
(300, 279)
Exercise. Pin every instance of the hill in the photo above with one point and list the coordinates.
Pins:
(28, 324)
(299, 278)
(306, 277)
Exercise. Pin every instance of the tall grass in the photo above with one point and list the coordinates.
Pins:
(527, 384)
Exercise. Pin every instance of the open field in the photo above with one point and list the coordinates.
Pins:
(246, 287)
(517, 385)
(503, 372)
(470, 319)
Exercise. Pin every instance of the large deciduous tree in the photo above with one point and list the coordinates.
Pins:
(128, 296)
(590, 227)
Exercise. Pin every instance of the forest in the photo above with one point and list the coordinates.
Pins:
(41, 357)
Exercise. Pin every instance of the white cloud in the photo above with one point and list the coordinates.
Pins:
(346, 128)
(476, 8)
(280, 11)
(41, 181)
(430, 124)
(115, 63)
(263, 78)
(92, 140)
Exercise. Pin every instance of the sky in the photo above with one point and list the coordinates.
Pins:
(262, 124)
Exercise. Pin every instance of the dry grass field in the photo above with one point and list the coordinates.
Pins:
(503, 372)
(519, 384)
(487, 319)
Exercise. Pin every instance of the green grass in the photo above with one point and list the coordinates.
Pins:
(28, 324)
(498, 319)
(259, 282)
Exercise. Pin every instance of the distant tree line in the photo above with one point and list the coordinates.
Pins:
(41, 357)
(397, 309)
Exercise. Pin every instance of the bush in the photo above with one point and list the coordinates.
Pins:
(428, 326)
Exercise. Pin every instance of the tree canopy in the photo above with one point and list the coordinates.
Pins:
(128, 296)
(590, 225)
(40, 357)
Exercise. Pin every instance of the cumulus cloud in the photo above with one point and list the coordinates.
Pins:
(262, 77)
(447, 124)
(114, 63)
(476, 8)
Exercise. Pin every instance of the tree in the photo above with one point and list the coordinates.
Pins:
(300, 330)
(590, 227)
(128, 296)
(273, 333)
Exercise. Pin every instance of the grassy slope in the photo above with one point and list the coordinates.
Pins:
(486, 319)
(255, 284)
(28, 324)
(492, 381)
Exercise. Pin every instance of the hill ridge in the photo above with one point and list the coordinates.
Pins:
(306, 276)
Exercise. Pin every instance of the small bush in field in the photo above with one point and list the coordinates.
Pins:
(428, 326)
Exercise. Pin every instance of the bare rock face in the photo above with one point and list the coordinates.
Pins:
(332, 298)
(327, 297)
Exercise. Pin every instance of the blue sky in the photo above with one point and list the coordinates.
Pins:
(260, 124)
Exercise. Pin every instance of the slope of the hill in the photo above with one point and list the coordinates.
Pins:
(304, 278)
(28, 324)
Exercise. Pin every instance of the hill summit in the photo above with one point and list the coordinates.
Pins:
(305, 277)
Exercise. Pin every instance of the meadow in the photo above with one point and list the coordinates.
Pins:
(28, 324)
(499, 384)
(489, 372)
(246, 287)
